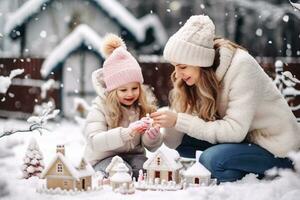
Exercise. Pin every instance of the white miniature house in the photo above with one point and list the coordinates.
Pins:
(164, 165)
(62, 173)
(121, 181)
(197, 174)
(112, 168)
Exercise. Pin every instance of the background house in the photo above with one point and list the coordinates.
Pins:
(33, 30)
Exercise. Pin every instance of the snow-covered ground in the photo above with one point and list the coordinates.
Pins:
(286, 187)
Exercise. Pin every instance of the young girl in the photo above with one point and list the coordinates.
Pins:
(225, 105)
(113, 126)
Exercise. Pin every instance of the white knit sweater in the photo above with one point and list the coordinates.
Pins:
(103, 141)
(250, 106)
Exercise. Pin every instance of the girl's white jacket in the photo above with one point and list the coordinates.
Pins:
(103, 141)
(250, 106)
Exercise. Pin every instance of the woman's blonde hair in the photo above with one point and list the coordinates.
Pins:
(201, 98)
(145, 104)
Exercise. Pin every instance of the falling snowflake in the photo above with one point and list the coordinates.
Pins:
(151, 11)
(43, 34)
(202, 6)
(285, 18)
(270, 42)
(259, 32)
(69, 69)
(168, 10)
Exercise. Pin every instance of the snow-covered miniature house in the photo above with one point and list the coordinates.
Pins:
(163, 164)
(197, 175)
(121, 181)
(61, 173)
(112, 168)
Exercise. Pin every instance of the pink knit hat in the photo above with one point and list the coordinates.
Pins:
(120, 67)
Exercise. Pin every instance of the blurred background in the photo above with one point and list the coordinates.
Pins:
(57, 43)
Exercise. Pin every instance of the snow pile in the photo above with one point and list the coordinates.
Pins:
(5, 81)
(285, 187)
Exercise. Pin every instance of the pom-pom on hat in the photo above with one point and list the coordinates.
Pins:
(193, 43)
(120, 67)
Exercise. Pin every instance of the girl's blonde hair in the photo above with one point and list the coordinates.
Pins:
(201, 98)
(146, 104)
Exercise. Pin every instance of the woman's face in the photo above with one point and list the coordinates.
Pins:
(189, 74)
(128, 93)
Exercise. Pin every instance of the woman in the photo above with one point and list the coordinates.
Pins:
(225, 105)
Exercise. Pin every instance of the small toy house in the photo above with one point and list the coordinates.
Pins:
(112, 167)
(61, 173)
(121, 181)
(197, 175)
(163, 164)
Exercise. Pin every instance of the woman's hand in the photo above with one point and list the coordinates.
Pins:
(165, 119)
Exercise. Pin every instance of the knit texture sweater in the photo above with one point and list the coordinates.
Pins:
(250, 106)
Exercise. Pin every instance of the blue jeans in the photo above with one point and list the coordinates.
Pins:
(232, 161)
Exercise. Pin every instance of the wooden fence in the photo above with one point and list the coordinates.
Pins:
(24, 93)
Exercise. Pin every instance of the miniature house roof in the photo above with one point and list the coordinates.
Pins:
(82, 35)
(169, 156)
(76, 173)
(197, 169)
(121, 174)
(137, 27)
(113, 164)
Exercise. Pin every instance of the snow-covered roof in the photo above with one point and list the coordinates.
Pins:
(113, 8)
(27, 10)
(169, 156)
(197, 169)
(121, 174)
(75, 173)
(121, 177)
(113, 164)
(83, 34)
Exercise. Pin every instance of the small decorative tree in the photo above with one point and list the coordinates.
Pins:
(33, 160)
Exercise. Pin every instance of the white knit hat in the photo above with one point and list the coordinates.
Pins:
(193, 43)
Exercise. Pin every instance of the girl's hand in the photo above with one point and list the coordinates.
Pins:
(166, 119)
(153, 132)
(138, 127)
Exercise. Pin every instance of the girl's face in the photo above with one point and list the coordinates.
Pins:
(128, 93)
(189, 74)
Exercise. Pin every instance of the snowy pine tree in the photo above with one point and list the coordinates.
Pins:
(33, 160)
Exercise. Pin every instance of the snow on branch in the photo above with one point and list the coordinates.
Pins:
(5, 81)
(37, 122)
